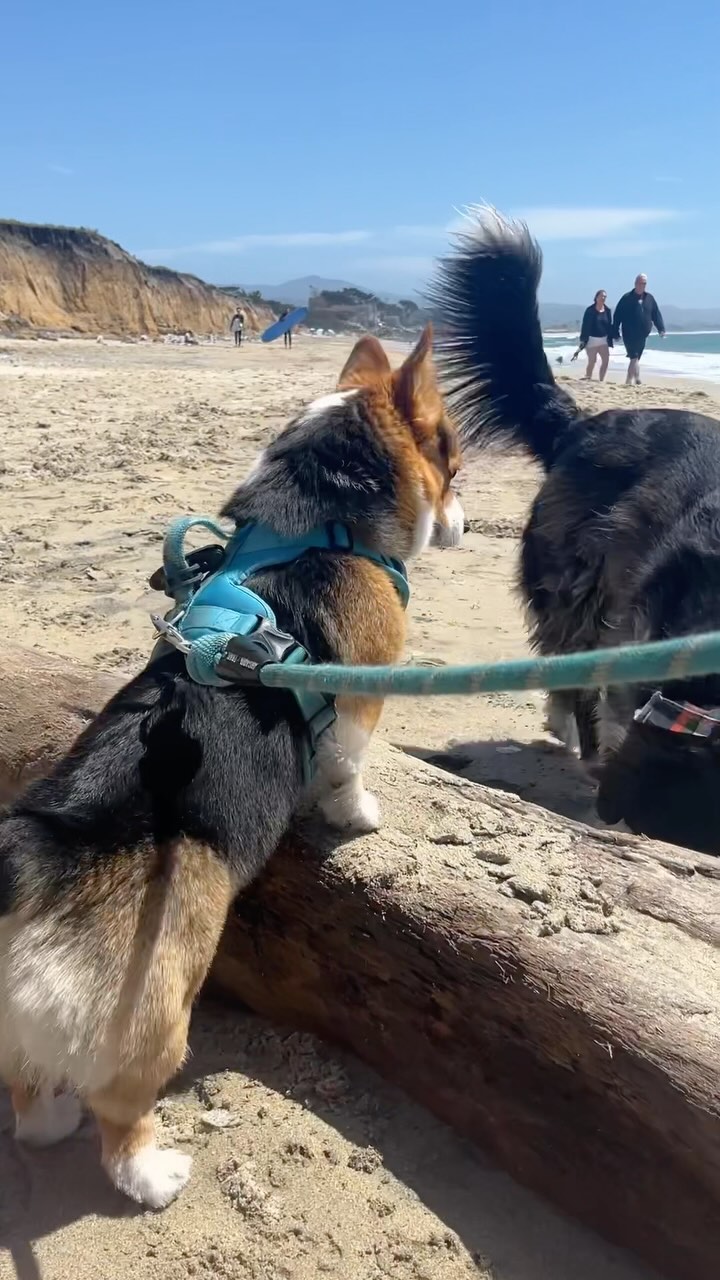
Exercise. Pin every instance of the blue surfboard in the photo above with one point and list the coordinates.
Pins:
(293, 318)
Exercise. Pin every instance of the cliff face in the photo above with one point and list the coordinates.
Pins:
(75, 281)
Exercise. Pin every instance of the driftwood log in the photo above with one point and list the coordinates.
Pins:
(550, 991)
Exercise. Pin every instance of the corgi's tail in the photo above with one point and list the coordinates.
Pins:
(499, 383)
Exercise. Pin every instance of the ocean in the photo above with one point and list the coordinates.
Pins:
(678, 355)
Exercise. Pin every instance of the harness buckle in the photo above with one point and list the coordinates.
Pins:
(244, 656)
(170, 633)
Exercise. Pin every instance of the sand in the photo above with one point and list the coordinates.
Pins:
(306, 1164)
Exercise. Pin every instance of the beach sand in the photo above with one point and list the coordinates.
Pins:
(306, 1164)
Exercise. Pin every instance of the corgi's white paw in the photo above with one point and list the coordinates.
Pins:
(351, 808)
(49, 1119)
(152, 1177)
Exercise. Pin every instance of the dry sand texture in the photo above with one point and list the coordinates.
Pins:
(306, 1164)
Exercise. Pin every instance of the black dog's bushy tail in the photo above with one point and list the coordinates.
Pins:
(499, 383)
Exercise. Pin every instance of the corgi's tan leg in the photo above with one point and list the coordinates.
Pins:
(371, 629)
(341, 794)
(151, 1028)
(124, 1112)
(42, 1116)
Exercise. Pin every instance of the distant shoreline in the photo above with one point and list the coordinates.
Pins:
(687, 354)
(573, 332)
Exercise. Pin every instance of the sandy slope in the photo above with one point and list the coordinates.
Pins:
(306, 1165)
(72, 280)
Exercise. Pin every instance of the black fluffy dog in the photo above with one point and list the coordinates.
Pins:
(622, 544)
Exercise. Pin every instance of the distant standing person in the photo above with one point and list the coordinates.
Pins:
(287, 336)
(596, 335)
(237, 325)
(635, 314)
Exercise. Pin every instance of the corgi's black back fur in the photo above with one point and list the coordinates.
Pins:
(168, 757)
(623, 540)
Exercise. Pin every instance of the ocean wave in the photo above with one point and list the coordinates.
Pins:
(704, 366)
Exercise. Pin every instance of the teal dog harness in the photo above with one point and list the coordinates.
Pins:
(226, 631)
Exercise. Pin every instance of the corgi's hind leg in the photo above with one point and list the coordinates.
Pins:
(340, 790)
(151, 1033)
(42, 1115)
(124, 1111)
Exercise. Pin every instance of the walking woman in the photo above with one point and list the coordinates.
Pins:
(237, 325)
(596, 335)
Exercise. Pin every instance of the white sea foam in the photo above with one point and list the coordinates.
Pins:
(658, 361)
(663, 363)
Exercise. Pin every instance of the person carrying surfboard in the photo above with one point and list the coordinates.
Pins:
(284, 325)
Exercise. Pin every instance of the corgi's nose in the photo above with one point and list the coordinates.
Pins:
(449, 531)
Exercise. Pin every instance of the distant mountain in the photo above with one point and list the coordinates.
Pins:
(298, 292)
(568, 315)
(691, 317)
(561, 315)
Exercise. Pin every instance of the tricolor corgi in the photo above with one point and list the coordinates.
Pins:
(117, 870)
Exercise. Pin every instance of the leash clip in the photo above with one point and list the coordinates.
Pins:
(170, 633)
(244, 656)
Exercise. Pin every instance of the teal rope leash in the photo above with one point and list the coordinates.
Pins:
(597, 669)
(645, 664)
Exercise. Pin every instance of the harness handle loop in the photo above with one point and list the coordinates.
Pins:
(179, 574)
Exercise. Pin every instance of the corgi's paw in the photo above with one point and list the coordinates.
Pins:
(48, 1119)
(351, 808)
(150, 1176)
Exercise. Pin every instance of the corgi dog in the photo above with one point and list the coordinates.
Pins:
(117, 869)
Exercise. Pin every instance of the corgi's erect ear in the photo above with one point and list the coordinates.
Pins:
(415, 388)
(366, 365)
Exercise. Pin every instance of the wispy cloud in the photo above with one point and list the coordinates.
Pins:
(392, 238)
(555, 222)
(419, 232)
(399, 264)
(633, 248)
(587, 224)
(244, 243)
(407, 249)
(60, 168)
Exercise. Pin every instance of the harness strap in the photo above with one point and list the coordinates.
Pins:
(226, 631)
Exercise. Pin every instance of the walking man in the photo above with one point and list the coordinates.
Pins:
(636, 313)
(237, 324)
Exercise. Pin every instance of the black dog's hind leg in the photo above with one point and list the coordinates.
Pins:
(586, 711)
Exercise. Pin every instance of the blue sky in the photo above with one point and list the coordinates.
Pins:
(259, 141)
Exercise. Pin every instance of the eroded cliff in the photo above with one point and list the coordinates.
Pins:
(70, 280)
